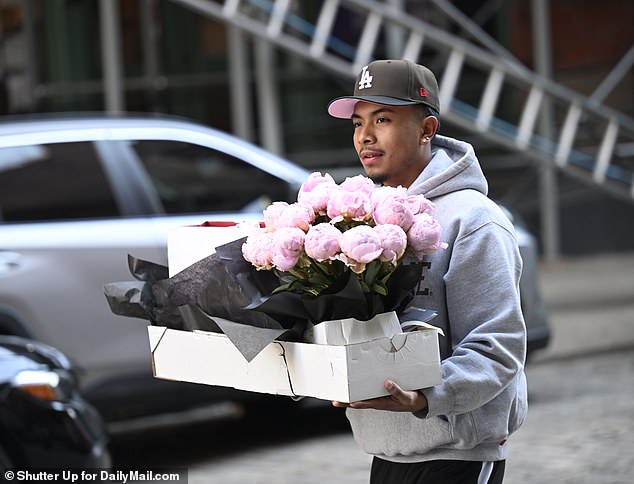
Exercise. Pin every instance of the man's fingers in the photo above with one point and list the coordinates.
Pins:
(395, 390)
(398, 400)
(339, 404)
(405, 399)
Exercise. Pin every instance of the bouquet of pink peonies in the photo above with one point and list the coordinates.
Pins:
(352, 237)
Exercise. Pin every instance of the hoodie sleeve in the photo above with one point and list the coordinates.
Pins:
(488, 335)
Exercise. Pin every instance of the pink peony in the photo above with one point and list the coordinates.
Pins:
(393, 241)
(315, 191)
(381, 193)
(358, 183)
(394, 210)
(419, 204)
(258, 250)
(424, 235)
(322, 242)
(359, 246)
(288, 244)
(296, 215)
(272, 214)
(349, 205)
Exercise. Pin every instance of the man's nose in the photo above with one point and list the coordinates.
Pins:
(366, 135)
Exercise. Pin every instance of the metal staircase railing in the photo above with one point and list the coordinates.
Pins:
(491, 95)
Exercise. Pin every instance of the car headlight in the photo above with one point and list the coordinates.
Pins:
(48, 385)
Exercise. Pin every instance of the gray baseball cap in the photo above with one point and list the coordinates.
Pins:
(390, 83)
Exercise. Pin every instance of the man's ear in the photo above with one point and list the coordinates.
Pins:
(429, 126)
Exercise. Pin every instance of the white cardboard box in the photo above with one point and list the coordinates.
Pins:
(344, 373)
(188, 244)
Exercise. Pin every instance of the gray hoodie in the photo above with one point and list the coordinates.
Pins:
(474, 286)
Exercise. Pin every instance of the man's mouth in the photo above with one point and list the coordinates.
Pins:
(368, 157)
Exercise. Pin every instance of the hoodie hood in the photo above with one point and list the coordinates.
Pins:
(454, 166)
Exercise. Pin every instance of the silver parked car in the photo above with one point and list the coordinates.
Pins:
(79, 194)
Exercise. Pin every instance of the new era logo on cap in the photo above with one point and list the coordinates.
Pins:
(392, 83)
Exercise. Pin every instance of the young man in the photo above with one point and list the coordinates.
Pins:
(455, 432)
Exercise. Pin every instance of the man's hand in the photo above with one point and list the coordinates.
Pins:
(397, 401)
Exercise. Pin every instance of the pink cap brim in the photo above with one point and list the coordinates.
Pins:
(342, 107)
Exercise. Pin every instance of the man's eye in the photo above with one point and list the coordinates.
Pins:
(356, 124)
(381, 120)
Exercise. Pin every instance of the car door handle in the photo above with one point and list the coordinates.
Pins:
(9, 260)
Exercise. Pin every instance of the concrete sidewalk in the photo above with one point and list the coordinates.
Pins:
(591, 304)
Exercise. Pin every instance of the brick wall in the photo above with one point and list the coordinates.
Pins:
(585, 33)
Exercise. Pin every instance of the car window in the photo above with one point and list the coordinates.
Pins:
(192, 178)
(53, 182)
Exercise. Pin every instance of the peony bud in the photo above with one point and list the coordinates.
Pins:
(288, 244)
(381, 193)
(393, 241)
(419, 204)
(315, 192)
(394, 210)
(361, 244)
(258, 250)
(296, 215)
(322, 242)
(349, 205)
(272, 214)
(358, 183)
(424, 235)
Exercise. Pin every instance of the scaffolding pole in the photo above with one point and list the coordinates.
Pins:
(240, 84)
(111, 56)
(268, 99)
(549, 204)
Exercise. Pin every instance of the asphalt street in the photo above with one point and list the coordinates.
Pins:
(591, 304)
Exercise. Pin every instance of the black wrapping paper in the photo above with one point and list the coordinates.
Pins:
(225, 293)
(204, 296)
(137, 298)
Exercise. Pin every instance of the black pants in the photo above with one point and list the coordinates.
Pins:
(433, 472)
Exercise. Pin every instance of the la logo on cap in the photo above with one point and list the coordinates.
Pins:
(366, 79)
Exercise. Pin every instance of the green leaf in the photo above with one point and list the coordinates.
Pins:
(298, 273)
(380, 288)
(365, 286)
(319, 278)
(371, 271)
(320, 268)
(282, 288)
(385, 278)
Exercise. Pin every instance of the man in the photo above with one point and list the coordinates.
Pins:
(455, 432)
